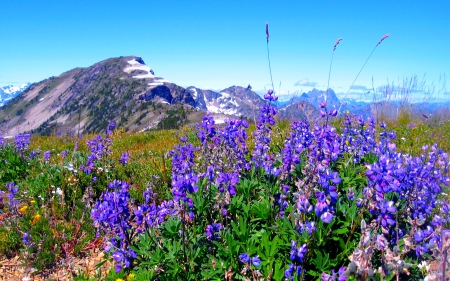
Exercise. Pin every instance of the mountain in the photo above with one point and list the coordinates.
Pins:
(315, 97)
(7, 93)
(124, 90)
(299, 110)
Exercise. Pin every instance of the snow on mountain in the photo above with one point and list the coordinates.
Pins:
(7, 93)
(137, 64)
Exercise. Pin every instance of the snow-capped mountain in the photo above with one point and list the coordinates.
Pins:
(7, 93)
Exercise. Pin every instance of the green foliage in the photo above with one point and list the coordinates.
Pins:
(14, 166)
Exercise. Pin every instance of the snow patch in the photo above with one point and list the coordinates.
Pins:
(224, 95)
(155, 84)
(138, 66)
(194, 93)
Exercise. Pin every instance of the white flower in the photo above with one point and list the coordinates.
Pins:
(425, 265)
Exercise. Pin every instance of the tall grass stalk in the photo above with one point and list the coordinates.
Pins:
(331, 63)
(268, 54)
(379, 42)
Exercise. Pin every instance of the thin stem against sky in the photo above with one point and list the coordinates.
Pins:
(268, 55)
(331, 63)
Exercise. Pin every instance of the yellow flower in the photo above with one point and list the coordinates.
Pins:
(32, 201)
(23, 209)
(130, 277)
(119, 279)
(36, 218)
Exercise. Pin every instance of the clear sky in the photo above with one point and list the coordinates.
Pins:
(217, 44)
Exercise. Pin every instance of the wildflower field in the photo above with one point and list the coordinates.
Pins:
(340, 199)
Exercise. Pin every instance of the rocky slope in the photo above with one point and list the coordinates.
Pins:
(123, 90)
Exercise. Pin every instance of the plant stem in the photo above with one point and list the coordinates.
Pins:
(270, 68)
(354, 227)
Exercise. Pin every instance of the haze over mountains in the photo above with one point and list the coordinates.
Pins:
(128, 92)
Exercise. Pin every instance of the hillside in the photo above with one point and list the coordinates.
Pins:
(123, 90)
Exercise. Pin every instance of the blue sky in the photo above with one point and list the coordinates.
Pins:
(217, 44)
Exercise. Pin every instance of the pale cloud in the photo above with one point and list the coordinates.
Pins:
(360, 87)
(306, 83)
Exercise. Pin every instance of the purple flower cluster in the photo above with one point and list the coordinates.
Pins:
(184, 180)
(27, 240)
(213, 231)
(22, 141)
(299, 139)
(110, 128)
(100, 148)
(47, 156)
(234, 139)
(224, 150)
(13, 189)
(206, 131)
(112, 215)
(150, 214)
(124, 158)
(296, 255)
(34, 153)
(335, 276)
(245, 258)
(113, 212)
(358, 141)
(227, 182)
(260, 155)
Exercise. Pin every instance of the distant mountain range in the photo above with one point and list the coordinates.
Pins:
(7, 93)
(127, 91)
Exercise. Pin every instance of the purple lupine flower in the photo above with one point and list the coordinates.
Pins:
(184, 180)
(212, 231)
(297, 254)
(124, 158)
(47, 155)
(261, 157)
(13, 189)
(227, 182)
(307, 226)
(207, 130)
(256, 261)
(335, 276)
(288, 273)
(22, 141)
(386, 211)
(34, 153)
(27, 240)
(245, 258)
(110, 128)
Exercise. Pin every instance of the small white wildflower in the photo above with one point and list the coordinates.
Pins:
(425, 265)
